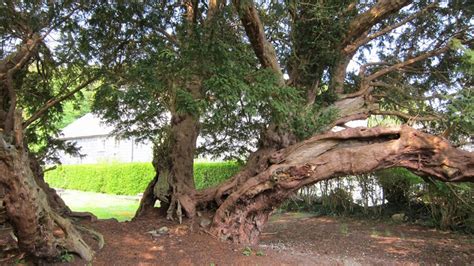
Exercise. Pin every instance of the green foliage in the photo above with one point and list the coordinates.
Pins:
(73, 110)
(186, 103)
(398, 184)
(129, 178)
(247, 251)
(339, 201)
(451, 205)
(306, 124)
(66, 257)
(318, 30)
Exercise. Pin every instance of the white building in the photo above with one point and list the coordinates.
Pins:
(99, 145)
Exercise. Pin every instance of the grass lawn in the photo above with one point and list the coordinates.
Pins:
(104, 206)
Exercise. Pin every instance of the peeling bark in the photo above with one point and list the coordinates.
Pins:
(33, 209)
(243, 214)
(35, 223)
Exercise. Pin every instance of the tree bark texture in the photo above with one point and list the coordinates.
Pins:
(42, 232)
(243, 214)
(173, 161)
(33, 209)
(54, 200)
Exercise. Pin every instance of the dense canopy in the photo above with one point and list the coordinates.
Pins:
(260, 82)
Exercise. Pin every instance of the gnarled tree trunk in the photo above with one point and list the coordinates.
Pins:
(32, 208)
(42, 232)
(173, 162)
(173, 158)
(54, 200)
(243, 214)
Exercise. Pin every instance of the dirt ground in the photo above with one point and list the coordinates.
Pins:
(289, 239)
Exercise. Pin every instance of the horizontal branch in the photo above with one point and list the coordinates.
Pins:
(408, 62)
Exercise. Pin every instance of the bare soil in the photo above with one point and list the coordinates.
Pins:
(289, 239)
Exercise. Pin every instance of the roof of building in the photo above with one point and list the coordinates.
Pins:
(87, 126)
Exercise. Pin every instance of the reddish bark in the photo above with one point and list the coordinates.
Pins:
(33, 209)
(243, 214)
(42, 232)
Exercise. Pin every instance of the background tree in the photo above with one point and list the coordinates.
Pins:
(183, 76)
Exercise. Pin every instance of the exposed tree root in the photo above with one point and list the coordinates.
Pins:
(97, 236)
(72, 240)
(83, 216)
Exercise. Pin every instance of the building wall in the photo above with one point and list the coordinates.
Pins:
(108, 149)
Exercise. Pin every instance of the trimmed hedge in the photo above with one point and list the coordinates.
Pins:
(129, 178)
(210, 174)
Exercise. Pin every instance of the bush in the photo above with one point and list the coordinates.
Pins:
(129, 178)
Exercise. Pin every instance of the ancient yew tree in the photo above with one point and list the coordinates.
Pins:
(38, 73)
(260, 82)
(270, 80)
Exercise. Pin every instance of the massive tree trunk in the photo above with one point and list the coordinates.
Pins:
(32, 208)
(243, 214)
(173, 159)
(42, 232)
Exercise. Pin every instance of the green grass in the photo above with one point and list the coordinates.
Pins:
(123, 212)
(102, 205)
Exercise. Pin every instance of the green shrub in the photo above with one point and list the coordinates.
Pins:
(129, 178)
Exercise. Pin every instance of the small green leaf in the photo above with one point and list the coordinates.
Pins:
(247, 251)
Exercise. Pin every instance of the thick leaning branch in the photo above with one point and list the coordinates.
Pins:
(263, 49)
(242, 215)
(365, 21)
